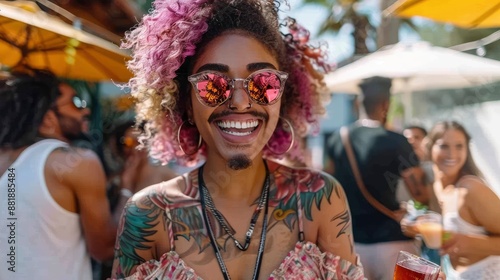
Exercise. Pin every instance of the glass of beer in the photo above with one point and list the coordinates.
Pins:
(412, 267)
(431, 229)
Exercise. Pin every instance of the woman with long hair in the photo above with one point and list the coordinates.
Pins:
(469, 207)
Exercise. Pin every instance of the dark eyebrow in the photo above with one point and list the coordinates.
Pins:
(214, 66)
(224, 68)
(259, 65)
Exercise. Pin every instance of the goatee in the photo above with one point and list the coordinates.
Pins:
(239, 162)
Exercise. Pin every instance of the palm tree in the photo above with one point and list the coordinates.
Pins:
(344, 12)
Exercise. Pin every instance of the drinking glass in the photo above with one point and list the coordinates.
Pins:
(412, 267)
(431, 229)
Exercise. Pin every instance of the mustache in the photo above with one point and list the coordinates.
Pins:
(229, 113)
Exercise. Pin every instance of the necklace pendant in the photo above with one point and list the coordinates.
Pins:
(206, 202)
(241, 248)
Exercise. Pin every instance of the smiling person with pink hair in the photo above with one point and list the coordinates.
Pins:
(217, 80)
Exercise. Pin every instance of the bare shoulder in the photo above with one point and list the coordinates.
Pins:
(180, 186)
(74, 154)
(476, 191)
(143, 233)
(150, 203)
(473, 186)
(481, 203)
(139, 230)
(318, 190)
(324, 206)
(161, 194)
(76, 167)
(77, 160)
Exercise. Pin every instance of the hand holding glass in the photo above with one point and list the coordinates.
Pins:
(412, 267)
(430, 227)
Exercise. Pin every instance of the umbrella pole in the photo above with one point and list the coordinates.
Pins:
(407, 102)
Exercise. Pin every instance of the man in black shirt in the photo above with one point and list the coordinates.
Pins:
(383, 157)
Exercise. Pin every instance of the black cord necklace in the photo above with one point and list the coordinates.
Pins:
(220, 218)
(208, 205)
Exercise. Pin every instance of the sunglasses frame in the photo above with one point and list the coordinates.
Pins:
(77, 102)
(195, 78)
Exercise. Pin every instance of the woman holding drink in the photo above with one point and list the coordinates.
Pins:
(469, 207)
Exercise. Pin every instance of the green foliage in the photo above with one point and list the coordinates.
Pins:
(341, 12)
(144, 5)
(324, 3)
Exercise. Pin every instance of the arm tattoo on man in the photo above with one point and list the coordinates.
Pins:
(136, 227)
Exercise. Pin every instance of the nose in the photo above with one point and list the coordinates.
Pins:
(85, 112)
(239, 99)
(451, 153)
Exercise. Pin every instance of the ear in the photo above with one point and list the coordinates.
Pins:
(49, 124)
(386, 105)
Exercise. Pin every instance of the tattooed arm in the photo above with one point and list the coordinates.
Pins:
(334, 219)
(135, 244)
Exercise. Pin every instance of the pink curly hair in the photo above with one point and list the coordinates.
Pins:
(169, 35)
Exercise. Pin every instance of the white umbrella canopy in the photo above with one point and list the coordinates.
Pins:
(416, 67)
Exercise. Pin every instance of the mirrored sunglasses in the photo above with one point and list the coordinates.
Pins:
(264, 87)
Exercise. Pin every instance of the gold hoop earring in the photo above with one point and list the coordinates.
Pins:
(184, 140)
(282, 132)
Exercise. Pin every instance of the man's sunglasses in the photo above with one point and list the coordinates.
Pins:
(77, 102)
(264, 86)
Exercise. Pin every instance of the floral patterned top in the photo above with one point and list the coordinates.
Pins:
(306, 262)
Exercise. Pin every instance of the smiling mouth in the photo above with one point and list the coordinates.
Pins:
(238, 128)
(450, 162)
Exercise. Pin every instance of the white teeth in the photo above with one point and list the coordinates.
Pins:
(236, 133)
(238, 124)
(450, 161)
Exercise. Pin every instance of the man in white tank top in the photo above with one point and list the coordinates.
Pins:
(54, 213)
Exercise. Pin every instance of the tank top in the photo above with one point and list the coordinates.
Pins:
(38, 238)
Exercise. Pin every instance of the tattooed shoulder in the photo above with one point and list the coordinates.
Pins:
(139, 223)
(305, 187)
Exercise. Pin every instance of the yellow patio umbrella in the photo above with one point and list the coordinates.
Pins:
(462, 13)
(31, 37)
